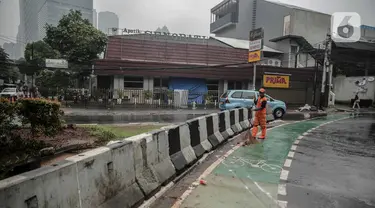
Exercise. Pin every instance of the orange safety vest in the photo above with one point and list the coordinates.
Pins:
(259, 104)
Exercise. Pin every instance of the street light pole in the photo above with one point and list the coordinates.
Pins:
(254, 74)
(326, 68)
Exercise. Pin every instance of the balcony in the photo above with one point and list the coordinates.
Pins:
(224, 22)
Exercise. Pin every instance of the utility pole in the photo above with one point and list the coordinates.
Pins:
(32, 63)
(326, 68)
(316, 74)
(254, 74)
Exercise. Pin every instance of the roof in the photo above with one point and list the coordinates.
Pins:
(242, 44)
(285, 37)
(293, 6)
(361, 45)
(367, 27)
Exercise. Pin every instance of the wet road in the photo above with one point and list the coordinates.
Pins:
(326, 162)
(334, 166)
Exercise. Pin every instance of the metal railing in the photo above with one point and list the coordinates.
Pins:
(131, 98)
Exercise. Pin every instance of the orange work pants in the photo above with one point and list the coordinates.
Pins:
(260, 120)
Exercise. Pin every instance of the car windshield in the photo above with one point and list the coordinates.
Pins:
(269, 97)
(225, 94)
(9, 90)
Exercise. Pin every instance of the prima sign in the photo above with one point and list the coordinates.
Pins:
(127, 31)
(275, 81)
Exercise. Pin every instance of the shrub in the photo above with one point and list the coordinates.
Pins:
(7, 113)
(147, 94)
(103, 135)
(42, 115)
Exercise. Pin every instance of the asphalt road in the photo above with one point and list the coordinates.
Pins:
(334, 166)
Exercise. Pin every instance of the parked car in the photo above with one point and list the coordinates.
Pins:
(11, 92)
(245, 99)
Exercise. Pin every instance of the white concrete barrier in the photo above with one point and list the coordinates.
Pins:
(106, 177)
(51, 186)
(162, 163)
(123, 173)
(235, 121)
(213, 131)
(198, 136)
(245, 124)
(145, 153)
(180, 150)
(224, 125)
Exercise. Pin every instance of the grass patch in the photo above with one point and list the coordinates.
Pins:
(106, 133)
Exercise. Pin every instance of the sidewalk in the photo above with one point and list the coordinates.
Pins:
(249, 176)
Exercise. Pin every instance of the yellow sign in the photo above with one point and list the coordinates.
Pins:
(275, 81)
(254, 56)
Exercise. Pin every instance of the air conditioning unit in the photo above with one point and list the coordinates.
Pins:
(271, 62)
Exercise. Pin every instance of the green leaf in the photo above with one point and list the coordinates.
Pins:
(77, 40)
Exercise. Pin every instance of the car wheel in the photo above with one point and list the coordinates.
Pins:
(278, 113)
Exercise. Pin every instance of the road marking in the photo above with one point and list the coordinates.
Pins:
(283, 204)
(291, 154)
(284, 175)
(281, 189)
(288, 163)
(178, 203)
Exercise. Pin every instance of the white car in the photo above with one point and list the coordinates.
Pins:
(10, 92)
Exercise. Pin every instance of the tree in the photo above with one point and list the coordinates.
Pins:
(54, 79)
(8, 70)
(36, 53)
(77, 40)
(5, 64)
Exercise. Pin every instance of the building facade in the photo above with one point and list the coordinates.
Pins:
(156, 62)
(107, 20)
(289, 29)
(34, 15)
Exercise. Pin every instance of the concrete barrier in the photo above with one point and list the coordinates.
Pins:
(235, 121)
(162, 163)
(124, 173)
(224, 125)
(51, 186)
(106, 177)
(199, 137)
(244, 118)
(180, 150)
(145, 153)
(213, 131)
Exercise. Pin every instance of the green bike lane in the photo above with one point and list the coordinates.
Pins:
(249, 176)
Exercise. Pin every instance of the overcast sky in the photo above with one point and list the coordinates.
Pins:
(193, 16)
(181, 16)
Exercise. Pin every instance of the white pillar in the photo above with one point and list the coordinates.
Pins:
(225, 85)
(148, 83)
(118, 84)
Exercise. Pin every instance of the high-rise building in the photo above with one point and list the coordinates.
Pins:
(107, 20)
(95, 19)
(36, 14)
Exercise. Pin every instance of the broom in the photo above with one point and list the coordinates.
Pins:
(249, 139)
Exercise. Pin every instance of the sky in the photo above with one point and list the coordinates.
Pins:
(193, 16)
(180, 16)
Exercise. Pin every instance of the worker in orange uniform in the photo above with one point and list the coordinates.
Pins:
(260, 115)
